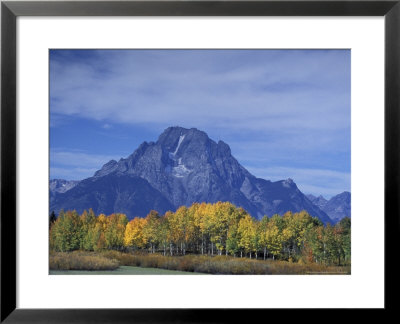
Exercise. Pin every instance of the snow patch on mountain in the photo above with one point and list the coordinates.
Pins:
(172, 154)
(180, 171)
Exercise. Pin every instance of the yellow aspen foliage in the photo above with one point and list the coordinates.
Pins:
(102, 219)
(133, 236)
(273, 239)
(247, 232)
(151, 228)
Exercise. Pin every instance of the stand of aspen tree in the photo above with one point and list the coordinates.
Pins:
(204, 228)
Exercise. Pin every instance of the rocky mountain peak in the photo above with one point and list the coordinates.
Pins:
(184, 166)
(345, 195)
(171, 137)
(224, 148)
(289, 183)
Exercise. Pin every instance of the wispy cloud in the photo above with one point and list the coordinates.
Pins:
(71, 158)
(68, 173)
(75, 165)
(239, 89)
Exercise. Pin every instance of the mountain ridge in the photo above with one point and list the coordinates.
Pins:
(337, 207)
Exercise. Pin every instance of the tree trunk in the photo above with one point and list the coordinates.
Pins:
(265, 251)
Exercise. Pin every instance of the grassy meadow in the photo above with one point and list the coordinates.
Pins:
(123, 270)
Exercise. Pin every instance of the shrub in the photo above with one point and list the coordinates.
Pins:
(109, 260)
(220, 264)
(81, 261)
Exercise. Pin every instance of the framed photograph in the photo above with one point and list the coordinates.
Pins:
(253, 146)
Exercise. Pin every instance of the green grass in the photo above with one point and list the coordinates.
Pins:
(124, 270)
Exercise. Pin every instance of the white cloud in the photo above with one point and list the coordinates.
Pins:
(156, 87)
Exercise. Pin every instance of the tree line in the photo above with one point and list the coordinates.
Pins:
(204, 228)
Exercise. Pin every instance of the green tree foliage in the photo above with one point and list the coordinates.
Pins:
(115, 231)
(65, 234)
(88, 223)
(343, 235)
(151, 229)
(52, 218)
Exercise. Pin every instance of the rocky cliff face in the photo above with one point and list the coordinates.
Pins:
(319, 201)
(182, 167)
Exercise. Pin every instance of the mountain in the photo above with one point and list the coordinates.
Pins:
(339, 206)
(182, 167)
(126, 194)
(57, 186)
(317, 201)
(336, 208)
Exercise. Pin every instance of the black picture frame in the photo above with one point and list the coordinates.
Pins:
(10, 10)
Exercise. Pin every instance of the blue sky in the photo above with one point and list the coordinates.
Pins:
(284, 113)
